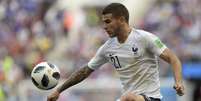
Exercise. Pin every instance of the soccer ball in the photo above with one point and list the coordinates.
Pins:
(45, 75)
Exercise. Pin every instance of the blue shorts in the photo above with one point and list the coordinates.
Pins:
(146, 98)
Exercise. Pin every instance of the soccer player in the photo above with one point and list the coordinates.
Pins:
(133, 53)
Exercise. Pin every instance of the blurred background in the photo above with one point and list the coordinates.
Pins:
(68, 33)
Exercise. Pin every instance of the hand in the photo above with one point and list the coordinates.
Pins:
(54, 96)
(179, 88)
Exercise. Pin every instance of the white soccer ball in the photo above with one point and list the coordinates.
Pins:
(45, 75)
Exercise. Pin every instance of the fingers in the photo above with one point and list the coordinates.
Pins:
(49, 99)
(180, 92)
(52, 99)
(179, 89)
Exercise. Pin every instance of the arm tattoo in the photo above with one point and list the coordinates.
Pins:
(75, 78)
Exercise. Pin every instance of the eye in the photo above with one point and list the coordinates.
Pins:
(107, 21)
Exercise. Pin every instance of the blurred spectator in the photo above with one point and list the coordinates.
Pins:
(178, 23)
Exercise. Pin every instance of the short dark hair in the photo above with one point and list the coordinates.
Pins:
(117, 10)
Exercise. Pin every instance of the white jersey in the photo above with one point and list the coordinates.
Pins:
(135, 61)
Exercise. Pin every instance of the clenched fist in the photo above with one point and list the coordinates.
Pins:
(179, 88)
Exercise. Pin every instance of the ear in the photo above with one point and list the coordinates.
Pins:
(122, 19)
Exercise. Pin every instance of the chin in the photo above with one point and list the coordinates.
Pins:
(111, 36)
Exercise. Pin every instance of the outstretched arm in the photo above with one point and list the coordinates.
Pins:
(172, 59)
(74, 79)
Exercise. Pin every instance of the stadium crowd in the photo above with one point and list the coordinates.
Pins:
(37, 30)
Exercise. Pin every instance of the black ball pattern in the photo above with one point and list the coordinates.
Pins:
(34, 82)
(39, 69)
(45, 80)
(56, 75)
(50, 88)
(51, 65)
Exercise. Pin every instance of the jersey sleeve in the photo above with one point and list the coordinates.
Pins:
(98, 60)
(154, 44)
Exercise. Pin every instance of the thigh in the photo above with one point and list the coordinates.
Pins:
(132, 97)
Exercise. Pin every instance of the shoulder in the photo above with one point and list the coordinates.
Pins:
(145, 34)
(106, 45)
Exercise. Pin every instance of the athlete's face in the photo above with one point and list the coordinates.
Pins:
(111, 24)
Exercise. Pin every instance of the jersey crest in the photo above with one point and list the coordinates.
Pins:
(134, 49)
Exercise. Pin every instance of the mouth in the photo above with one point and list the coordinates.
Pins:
(108, 31)
(110, 34)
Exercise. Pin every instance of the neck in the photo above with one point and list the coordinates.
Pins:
(123, 34)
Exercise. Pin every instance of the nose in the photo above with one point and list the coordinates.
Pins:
(105, 27)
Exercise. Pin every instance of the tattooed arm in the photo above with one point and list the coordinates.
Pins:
(74, 79)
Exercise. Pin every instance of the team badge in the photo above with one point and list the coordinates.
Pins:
(134, 49)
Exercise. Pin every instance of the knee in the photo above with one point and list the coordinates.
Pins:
(129, 97)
